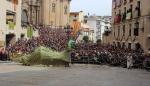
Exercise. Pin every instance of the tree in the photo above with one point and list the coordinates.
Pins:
(86, 39)
(99, 41)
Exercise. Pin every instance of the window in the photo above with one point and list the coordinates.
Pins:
(65, 10)
(124, 14)
(136, 32)
(125, 9)
(139, 7)
(131, 0)
(118, 31)
(10, 17)
(130, 26)
(24, 18)
(119, 11)
(123, 30)
(114, 33)
(131, 6)
(98, 23)
(136, 29)
(53, 7)
(129, 46)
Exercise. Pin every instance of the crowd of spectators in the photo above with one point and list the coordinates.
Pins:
(99, 54)
(3, 54)
(57, 39)
(53, 38)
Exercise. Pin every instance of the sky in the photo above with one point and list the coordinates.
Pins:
(93, 7)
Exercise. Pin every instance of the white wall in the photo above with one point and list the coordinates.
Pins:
(92, 24)
(2, 19)
(4, 6)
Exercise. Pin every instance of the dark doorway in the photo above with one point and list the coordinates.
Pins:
(123, 45)
(137, 46)
(118, 44)
(22, 36)
(129, 46)
(10, 39)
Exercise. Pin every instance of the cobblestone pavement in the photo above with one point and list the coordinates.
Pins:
(76, 75)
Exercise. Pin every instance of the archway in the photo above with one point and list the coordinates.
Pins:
(24, 17)
(137, 46)
(10, 39)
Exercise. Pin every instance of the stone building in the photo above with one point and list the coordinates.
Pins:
(55, 12)
(46, 12)
(131, 24)
(31, 12)
(76, 16)
(77, 23)
(17, 15)
(98, 25)
(10, 21)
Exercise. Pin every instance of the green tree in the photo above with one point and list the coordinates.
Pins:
(99, 41)
(86, 39)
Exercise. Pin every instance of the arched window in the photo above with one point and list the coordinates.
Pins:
(24, 18)
(53, 7)
(65, 10)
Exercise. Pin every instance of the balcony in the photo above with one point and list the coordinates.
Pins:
(124, 16)
(117, 18)
(137, 12)
(107, 31)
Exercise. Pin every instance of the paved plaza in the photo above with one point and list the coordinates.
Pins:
(76, 75)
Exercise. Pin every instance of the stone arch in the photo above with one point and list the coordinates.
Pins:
(24, 17)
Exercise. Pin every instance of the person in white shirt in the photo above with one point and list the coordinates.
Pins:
(129, 61)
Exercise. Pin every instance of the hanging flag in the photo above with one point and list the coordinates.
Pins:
(11, 25)
(76, 25)
(29, 32)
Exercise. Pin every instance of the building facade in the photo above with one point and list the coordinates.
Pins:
(18, 15)
(98, 25)
(31, 12)
(78, 16)
(55, 12)
(131, 24)
(10, 21)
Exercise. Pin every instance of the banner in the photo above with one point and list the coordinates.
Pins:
(29, 32)
(11, 25)
(76, 27)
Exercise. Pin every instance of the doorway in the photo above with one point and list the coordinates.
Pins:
(10, 39)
